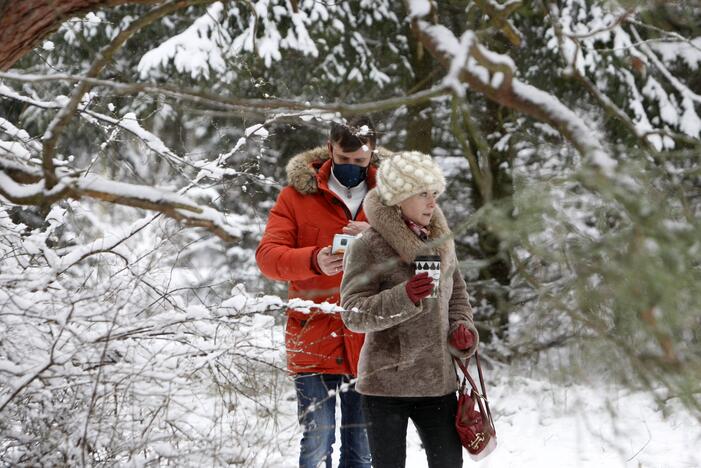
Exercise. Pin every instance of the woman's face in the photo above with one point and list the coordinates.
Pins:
(419, 208)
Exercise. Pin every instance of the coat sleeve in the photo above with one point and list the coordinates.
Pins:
(460, 312)
(277, 255)
(367, 308)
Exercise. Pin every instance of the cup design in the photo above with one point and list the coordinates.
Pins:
(432, 265)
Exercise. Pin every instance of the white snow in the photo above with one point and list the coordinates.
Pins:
(130, 123)
(16, 190)
(579, 130)
(419, 8)
(195, 51)
(543, 424)
(305, 306)
(258, 130)
(690, 122)
(15, 149)
(19, 134)
(654, 91)
(688, 52)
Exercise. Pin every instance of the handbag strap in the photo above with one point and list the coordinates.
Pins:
(463, 368)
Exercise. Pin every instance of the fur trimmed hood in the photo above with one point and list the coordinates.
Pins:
(302, 169)
(388, 222)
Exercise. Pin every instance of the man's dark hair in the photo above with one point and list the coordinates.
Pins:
(356, 133)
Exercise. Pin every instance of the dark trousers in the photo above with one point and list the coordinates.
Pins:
(434, 418)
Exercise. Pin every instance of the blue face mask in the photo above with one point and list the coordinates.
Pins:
(349, 175)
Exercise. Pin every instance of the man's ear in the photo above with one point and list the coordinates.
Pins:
(329, 149)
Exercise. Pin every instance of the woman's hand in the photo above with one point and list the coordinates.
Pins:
(353, 228)
(419, 287)
(462, 338)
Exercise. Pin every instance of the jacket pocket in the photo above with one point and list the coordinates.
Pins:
(307, 236)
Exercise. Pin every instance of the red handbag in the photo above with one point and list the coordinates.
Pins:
(473, 420)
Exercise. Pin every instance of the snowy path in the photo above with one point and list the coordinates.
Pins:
(542, 424)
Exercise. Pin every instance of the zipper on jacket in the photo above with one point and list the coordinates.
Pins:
(343, 204)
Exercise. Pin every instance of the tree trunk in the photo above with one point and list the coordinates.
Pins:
(420, 121)
(23, 24)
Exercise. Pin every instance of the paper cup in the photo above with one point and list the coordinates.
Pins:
(432, 265)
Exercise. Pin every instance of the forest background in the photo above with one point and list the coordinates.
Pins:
(142, 144)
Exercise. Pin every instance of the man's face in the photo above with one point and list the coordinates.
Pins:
(360, 157)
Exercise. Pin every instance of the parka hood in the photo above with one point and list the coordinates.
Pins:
(302, 169)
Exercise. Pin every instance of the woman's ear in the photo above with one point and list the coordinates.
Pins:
(374, 157)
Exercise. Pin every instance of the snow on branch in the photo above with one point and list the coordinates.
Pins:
(690, 121)
(192, 50)
(25, 186)
(578, 44)
(19, 134)
(59, 122)
(491, 74)
(127, 123)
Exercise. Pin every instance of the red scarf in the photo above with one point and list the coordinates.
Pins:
(421, 232)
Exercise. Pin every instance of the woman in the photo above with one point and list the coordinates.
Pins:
(406, 368)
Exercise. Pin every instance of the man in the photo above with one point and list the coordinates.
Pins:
(324, 197)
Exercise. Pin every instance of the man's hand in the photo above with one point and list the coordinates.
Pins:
(462, 338)
(329, 264)
(353, 228)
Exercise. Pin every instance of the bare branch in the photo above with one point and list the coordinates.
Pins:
(25, 186)
(50, 361)
(258, 106)
(60, 121)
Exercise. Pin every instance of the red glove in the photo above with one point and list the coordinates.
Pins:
(462, 338)
(419, 286)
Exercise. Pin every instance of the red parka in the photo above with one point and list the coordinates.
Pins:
(306, 216)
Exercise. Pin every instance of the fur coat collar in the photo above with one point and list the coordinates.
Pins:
(388, 222)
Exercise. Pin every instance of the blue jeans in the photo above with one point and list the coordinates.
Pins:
(316, 410)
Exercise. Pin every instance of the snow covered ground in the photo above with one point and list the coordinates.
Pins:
(543, 424)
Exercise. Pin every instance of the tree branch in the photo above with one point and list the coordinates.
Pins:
(259, 106)
(499, 15)
(26, 186)
(64, 116)
(23, 24)
(609, 106)
(460, 58)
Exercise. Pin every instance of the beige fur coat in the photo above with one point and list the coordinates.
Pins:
(406, 350)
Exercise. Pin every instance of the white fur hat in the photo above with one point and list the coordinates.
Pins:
(407, 173)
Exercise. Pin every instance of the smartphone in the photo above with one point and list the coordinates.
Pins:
(341, 242)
